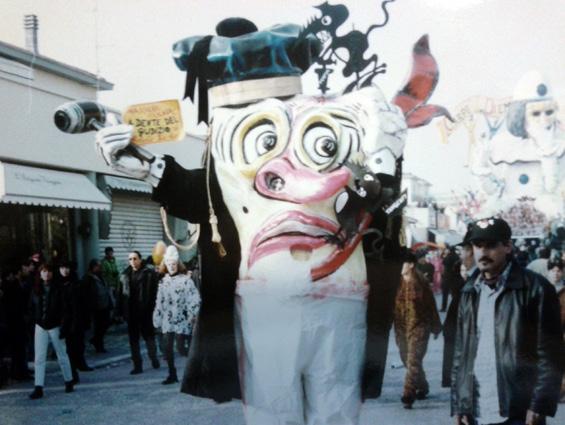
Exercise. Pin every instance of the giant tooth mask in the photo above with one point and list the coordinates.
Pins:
(282, 164)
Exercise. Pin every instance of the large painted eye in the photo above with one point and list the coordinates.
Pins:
(320, 144)
(260, 139)
(326, 20)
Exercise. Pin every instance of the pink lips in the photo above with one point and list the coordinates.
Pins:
(291, 230)
(297, 230)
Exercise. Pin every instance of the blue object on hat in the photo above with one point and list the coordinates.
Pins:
(279, 51)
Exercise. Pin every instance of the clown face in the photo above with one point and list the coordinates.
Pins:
(171, 260)
(282, 164)
(541, 120)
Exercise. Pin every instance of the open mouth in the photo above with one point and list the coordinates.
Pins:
(300, 234)
(324, 36)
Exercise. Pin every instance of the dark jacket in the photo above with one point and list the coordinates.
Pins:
(449, 329)
(139, 293)
(55, 312)
(450, 277)
(98, 292)
(528, 344)
(212, 366)
(15, 301)
(77, 301)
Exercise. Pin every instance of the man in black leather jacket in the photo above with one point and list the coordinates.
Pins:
(518, 309)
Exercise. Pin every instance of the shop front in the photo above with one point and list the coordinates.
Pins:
(46, 211)
(134, 222)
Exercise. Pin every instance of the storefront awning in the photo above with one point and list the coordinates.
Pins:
(20, 184)
(122, 183)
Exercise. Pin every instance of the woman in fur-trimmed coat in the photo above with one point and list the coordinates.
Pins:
(176, 308)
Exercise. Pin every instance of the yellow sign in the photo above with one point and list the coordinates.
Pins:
(155, 122)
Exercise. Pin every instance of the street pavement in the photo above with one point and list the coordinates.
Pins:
(110, 396)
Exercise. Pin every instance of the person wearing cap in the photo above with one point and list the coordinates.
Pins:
(275, 288)
(508, 358)
(176, 307)
(415, 317)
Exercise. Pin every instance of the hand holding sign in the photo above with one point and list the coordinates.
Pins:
(155, 122)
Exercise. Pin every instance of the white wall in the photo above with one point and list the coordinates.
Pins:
(29, 98)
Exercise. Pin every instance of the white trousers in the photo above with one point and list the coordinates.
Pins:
(300, 359)
(42, 338)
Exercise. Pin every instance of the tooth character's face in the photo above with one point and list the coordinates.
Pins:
(281, 166)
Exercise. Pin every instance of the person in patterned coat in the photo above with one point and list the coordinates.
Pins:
(415, 316)
(178, 302)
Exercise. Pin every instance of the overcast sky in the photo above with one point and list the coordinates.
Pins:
(482, 46)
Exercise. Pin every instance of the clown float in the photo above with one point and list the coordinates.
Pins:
(290, 187)
(517, 155)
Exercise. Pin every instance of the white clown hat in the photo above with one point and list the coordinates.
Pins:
(172, 254)
(533, 86)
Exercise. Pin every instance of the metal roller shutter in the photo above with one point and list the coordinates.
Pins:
(135, 225)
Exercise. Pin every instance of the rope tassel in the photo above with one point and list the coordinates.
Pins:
(216, 237)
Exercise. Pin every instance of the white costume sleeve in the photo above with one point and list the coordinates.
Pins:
(192, 302)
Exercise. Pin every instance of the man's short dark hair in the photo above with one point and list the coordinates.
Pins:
(108, 249)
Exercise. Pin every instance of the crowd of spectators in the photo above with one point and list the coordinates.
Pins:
(46, 309)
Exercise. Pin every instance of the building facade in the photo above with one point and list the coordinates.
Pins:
(57, 196)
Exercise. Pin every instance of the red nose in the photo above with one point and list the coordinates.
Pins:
(285, 180)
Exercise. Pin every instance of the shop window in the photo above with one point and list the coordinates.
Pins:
(28, 229)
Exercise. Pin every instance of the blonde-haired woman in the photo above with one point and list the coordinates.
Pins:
(176, 308)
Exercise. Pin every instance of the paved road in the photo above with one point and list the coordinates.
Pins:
(109, 395)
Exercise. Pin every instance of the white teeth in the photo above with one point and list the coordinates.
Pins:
(300, 254)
